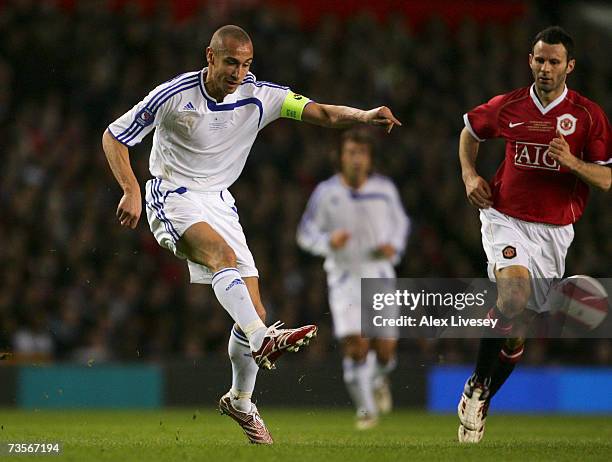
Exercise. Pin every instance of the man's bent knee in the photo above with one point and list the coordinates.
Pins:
(203, 245)
(216, 256)
(226, 258)
(514, 290)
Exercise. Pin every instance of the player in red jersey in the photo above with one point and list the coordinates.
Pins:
(558, 144)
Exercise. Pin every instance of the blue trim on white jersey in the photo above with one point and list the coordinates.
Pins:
(157, 100)
(216, 107)
(134, 123)
(357, 196)
(265, 84)
(178, 89)
(155, 103)
(113, 135)
(135, 128)
(231, 106)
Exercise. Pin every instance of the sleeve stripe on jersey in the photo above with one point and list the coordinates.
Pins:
(135, 128)
(266, 84)
(271, 84)
(113, 135)
(172, 84)
(159, 98)
(466, 120)
(167, 97)
(127, 132)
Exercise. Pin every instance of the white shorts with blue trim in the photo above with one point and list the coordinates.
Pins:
(172, 209)
(344, 289)
(539, 247)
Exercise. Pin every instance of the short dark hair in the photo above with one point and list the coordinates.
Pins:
(360, 136)
(229, 30)
(554, 35)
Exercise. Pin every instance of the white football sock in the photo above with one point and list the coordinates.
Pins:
(244, 370)
(232, 293)
(358, 380)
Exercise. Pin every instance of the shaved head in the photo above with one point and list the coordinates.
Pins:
(218, 42)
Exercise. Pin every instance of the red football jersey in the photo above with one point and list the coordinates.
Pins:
(529, 184)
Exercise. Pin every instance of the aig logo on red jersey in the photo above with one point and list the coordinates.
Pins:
(566, 124)
(534, 155)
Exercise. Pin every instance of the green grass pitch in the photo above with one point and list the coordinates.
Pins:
(323, 435)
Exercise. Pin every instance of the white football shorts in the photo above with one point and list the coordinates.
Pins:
(539, 247)
(344, 289)
(172, 209)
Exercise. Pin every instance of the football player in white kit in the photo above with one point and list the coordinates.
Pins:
(355, 220)
(205, 123)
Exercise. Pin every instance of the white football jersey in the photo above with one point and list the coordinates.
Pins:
(373, 215)
(199, 143)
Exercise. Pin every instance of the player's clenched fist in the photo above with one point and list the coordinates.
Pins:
(129, 209)
(559, 150)
(478, 191)
(339, 238)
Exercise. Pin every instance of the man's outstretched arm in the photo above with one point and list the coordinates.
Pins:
(130, 205)
(330, 116)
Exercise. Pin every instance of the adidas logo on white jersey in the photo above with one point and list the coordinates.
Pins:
(188, 107)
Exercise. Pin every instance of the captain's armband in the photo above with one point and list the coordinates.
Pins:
(293, 106)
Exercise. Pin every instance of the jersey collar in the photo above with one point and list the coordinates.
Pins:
(553, 104)
(228, 98)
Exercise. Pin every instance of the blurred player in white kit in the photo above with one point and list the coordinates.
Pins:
(206, 122)
(355, 220)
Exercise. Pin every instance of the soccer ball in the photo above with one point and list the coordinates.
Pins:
(581, 300)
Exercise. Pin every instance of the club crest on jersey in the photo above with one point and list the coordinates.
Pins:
(533, 155)
(509, 252)
(566, 124)
(145, 117)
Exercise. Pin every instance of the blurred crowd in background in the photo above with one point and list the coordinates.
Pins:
(74, 285)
